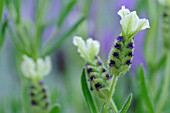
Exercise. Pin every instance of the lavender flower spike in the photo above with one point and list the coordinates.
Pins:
(98, 75)
(121, 54)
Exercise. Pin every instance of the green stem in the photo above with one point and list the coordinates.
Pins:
(113, 106)
(112, 89)
(39, 18)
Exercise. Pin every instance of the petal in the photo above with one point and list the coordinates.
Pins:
(40, 67)
(129, 23)
(28, 66)
(143, 24)
(48, 65)
(124, 25)
(82, 49)
(24, 69)
(93, 47)
(133, 22)
(123, 12)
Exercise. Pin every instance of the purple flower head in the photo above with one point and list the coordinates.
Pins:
(120, 38)
(33, 102)
(107, 76)
(89, 70)
(116, 54)
(130, 45)
(99, 63)
(118, 46)
(41, 82)
(112, 63)
(95, 57)
(92, 77)
(130, 54)
(98, 86)
(128, 62)
(86, 64)
(103, 70)
(91, 88)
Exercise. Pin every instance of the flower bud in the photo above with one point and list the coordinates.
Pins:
(121, 55)
(98, 77)
(38, 95)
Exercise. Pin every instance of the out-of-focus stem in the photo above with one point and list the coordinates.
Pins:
(165, 87)
(39, 19)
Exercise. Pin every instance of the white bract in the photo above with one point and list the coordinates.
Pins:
(165, 2)
(131, 23)
(87, 49)
(36, 70)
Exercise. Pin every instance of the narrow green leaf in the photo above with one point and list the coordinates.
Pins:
(40, 12)
(89, 99)
(144, 90)
(2, 34)
(55, 109)
(127, 104)
(157, 66)
(161, 62)
(65, 12)
(63, 37)
(165, 88)
(39, 21)
(17, 8)
(17, 43)
(1, 8)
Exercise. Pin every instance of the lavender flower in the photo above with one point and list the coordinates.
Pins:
(87, 49)
(36, 69)
(131, 23)
(98, 76)
(121, 54)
